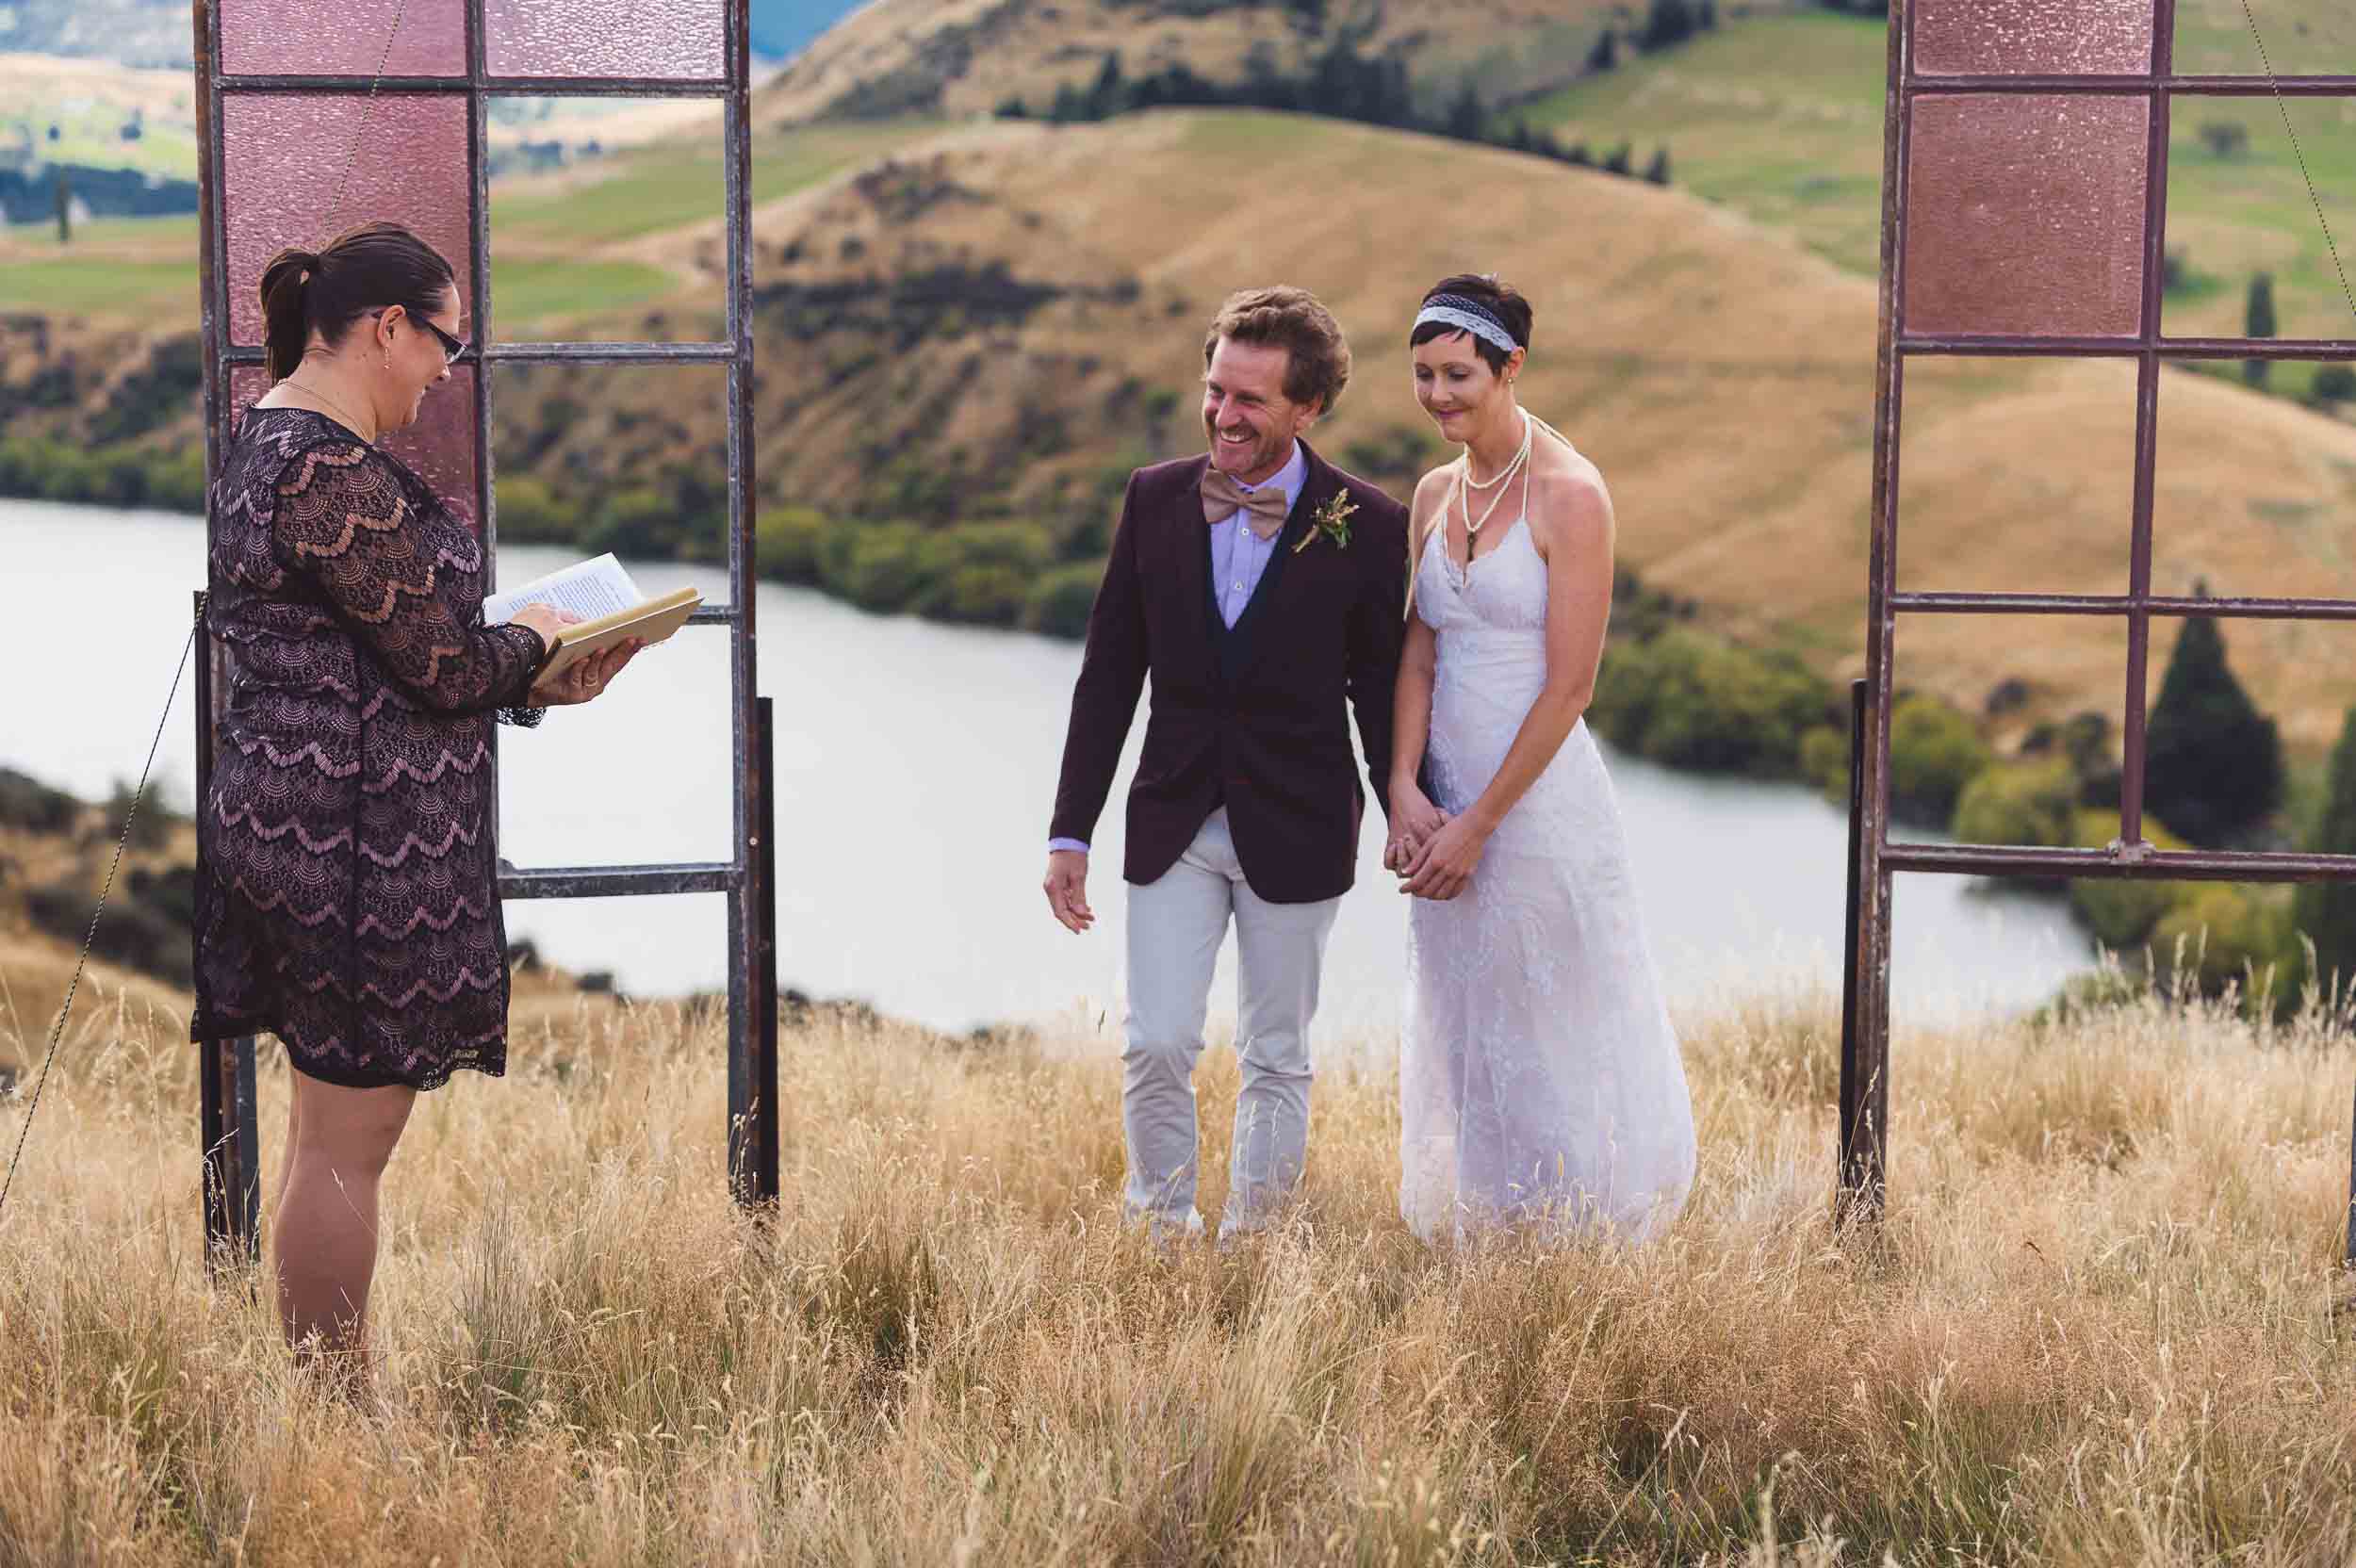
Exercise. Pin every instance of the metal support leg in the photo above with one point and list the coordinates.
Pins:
(1864, 1020)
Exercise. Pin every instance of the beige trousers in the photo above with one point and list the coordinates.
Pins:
(1176, 926)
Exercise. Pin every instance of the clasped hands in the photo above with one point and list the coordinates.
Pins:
(1433, 854)
(581, 681)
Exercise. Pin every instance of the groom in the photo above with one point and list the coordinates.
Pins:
(1260, 586)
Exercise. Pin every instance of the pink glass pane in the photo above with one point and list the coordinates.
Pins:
(343, 38)
(1991, 38)
(439, 448)
(604, 37)
(2025, 215)
(283, 156)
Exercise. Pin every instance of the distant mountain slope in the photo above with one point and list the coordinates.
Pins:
(967, 56)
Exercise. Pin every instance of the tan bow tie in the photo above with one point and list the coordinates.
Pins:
(1264, 508)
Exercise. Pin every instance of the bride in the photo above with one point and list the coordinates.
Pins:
(1539, 1075)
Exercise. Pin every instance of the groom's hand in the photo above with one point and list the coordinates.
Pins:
(1066, 887)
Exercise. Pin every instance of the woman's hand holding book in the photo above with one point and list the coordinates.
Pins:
(584, 677)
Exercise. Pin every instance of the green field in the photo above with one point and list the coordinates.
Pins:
(676, 183)
(1780, 117)
(569, 248)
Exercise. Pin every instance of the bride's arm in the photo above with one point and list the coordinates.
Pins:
(1570, 522)
(1413, 818)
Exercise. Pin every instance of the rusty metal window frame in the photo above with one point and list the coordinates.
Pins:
(227, 1077)
(1864, 1096)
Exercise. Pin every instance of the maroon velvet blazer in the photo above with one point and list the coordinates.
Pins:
(1249, 717)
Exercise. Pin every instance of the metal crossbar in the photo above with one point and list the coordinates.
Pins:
(740, 878)
(1864, 1101)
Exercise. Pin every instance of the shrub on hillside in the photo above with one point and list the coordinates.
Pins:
(2227, 934)
(1935, 750)
(978, 594)
(786, 541)
(877, 566)
(1061, 597)
(1824, 761)
(2119, 911)
(2019, 806)
(26, 802)
(530, 514)
(1688, 699)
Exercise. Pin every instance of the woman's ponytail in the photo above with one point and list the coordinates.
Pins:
(325, 291)
(285, 309)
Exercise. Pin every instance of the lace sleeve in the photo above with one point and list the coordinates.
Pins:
(346, 524)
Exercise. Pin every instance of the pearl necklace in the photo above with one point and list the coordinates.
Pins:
(1464, 478)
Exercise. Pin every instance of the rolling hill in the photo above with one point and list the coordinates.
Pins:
(968, 56)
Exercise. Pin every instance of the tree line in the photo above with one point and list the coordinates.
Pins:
(1343, 84)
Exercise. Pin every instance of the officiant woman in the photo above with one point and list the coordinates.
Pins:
(345, 895)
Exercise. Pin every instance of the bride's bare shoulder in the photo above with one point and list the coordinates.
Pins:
(1432, 489)
(1569, 501)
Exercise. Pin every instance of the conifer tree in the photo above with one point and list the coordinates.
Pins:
(2260, 324)
(2213, 763)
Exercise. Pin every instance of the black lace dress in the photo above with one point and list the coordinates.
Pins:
(346, 902)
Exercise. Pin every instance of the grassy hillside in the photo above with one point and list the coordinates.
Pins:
(2098, 1330)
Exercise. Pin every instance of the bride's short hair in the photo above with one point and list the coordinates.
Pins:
(1296, 322)
(1499, 298)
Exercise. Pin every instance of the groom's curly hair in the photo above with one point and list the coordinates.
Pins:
(1297, 322)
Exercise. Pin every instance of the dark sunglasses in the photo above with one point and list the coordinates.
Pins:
(451, 347)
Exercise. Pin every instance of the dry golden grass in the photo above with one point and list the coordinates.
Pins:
(2096, 1330)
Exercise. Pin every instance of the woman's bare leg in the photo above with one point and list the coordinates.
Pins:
(294, 1137)
(324, 1245)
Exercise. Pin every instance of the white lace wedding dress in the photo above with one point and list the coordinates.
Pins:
(1540, 1080)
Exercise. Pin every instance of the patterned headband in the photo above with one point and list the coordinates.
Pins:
(1455, 310)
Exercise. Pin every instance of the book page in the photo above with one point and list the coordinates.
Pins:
(588, 588)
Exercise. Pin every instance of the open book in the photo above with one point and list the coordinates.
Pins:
(610, 606)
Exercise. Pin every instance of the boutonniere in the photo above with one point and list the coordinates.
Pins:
(1329, 521)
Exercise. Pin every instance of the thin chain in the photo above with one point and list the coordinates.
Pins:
(332, 404)
(367, 112)
(2283, 108)
(56, 1032)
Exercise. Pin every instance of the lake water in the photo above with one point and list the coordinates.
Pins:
(916, 766)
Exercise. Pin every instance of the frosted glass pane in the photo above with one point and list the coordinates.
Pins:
(343, 38)
(439, 448)
(1976, 38)
(283, 154)
(604, 37)
(2025, 215)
